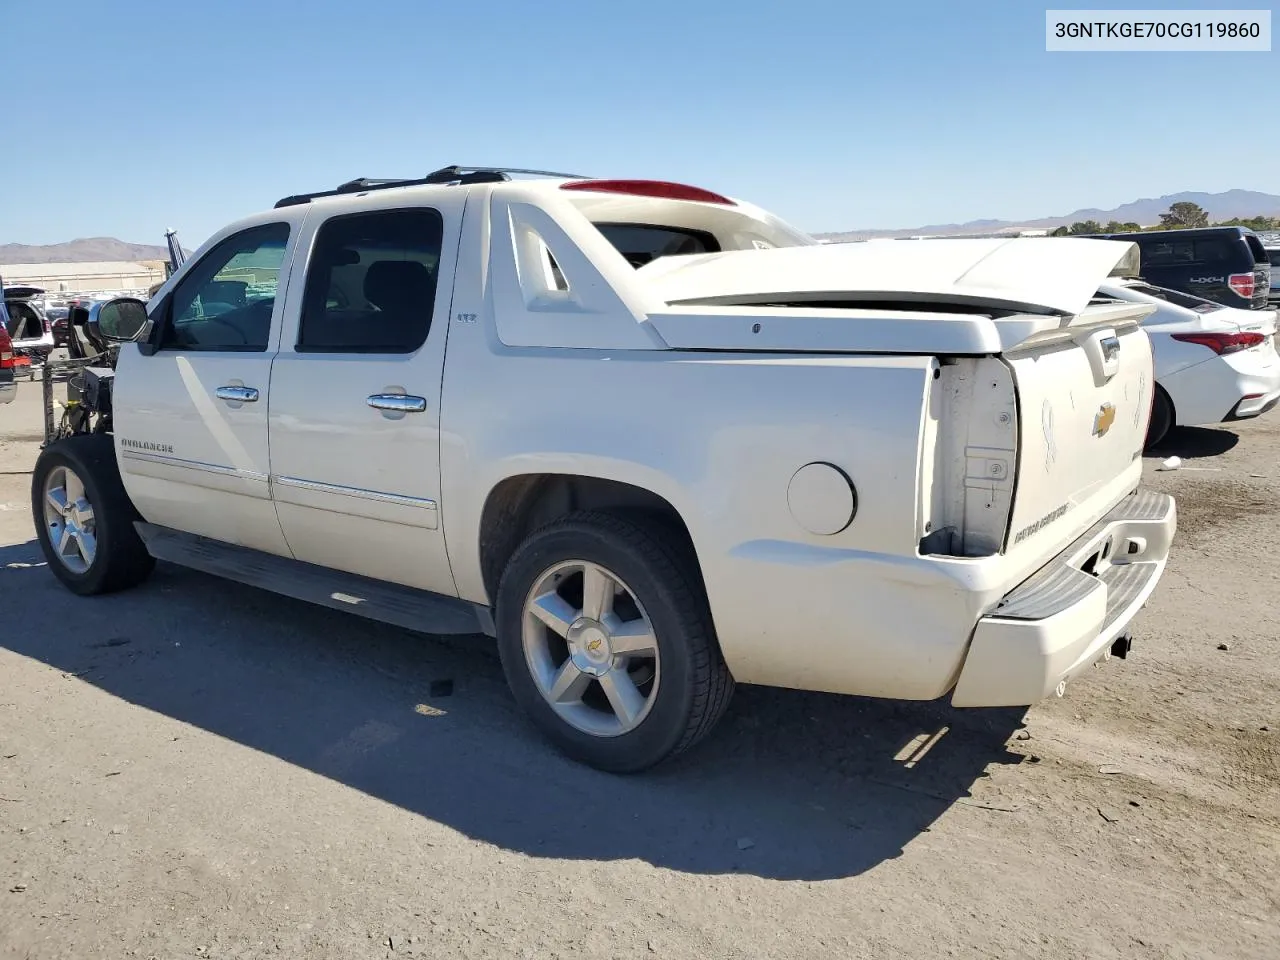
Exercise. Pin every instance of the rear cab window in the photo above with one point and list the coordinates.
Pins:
(642, 243)
(1257, 249)
(1189, 250)
(645, 229)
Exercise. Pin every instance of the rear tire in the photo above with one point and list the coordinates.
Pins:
(1161, 417)
(84, 519)
(620, 684)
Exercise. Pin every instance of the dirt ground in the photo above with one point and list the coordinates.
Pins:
(199, 769)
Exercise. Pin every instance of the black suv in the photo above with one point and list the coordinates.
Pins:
(1224, 264)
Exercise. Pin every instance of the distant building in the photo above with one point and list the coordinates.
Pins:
(73, 278)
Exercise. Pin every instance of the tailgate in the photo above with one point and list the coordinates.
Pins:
(1083, 406)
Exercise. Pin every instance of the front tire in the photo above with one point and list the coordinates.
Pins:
(607, 642)
(84, 519)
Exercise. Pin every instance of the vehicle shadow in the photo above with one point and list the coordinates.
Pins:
(790, 786)
(1190, 442)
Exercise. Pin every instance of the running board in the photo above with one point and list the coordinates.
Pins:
(390, 603)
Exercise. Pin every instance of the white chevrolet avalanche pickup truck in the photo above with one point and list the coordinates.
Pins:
(651, 438)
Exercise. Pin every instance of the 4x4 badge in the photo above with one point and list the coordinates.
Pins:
(1103, 419)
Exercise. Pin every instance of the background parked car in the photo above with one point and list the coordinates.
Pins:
(1272, 245)
(1212, 363)
(1225, 264)
(8, 389)
(58, 324)
(28, 327)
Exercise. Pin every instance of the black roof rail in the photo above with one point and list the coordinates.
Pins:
(449, 174)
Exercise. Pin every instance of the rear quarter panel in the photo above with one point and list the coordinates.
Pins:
(719, 436)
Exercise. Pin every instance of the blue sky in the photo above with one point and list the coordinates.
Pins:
(835, 115)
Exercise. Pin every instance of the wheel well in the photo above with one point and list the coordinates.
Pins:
(519, 505)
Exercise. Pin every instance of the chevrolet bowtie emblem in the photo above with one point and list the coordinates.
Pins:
(1103, 419)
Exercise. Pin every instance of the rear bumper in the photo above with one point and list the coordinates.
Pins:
(8, 388)
(1253, 406)
(1069, 613)
(1216, 389)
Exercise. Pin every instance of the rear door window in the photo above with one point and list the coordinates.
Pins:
(371, 284)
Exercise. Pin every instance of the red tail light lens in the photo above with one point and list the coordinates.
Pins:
(1221, 343)
(6, 350)
(660, 189)
(1243, 284)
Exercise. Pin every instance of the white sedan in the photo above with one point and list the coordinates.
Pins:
(1213, 363)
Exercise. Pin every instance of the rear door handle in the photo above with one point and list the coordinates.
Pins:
(237, 394)
(398, 402)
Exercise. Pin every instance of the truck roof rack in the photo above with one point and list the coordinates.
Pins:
(449, 174)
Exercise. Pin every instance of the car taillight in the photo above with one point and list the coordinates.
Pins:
(1242, 283)
(1221, 343)
(7, 361)
(661, 189)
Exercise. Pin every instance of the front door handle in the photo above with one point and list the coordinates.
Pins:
(237, 394)
(398, 402)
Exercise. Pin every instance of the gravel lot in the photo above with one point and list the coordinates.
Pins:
(199, 769)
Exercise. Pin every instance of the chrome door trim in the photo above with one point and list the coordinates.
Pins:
(192, 465)
(334, 488)
(196, 473)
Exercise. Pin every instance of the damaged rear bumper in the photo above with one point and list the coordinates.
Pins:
(1069, 613)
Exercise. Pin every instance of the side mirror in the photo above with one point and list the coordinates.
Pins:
(121, 320)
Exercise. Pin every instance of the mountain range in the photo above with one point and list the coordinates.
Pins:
(81, 251)
(1220, 206)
